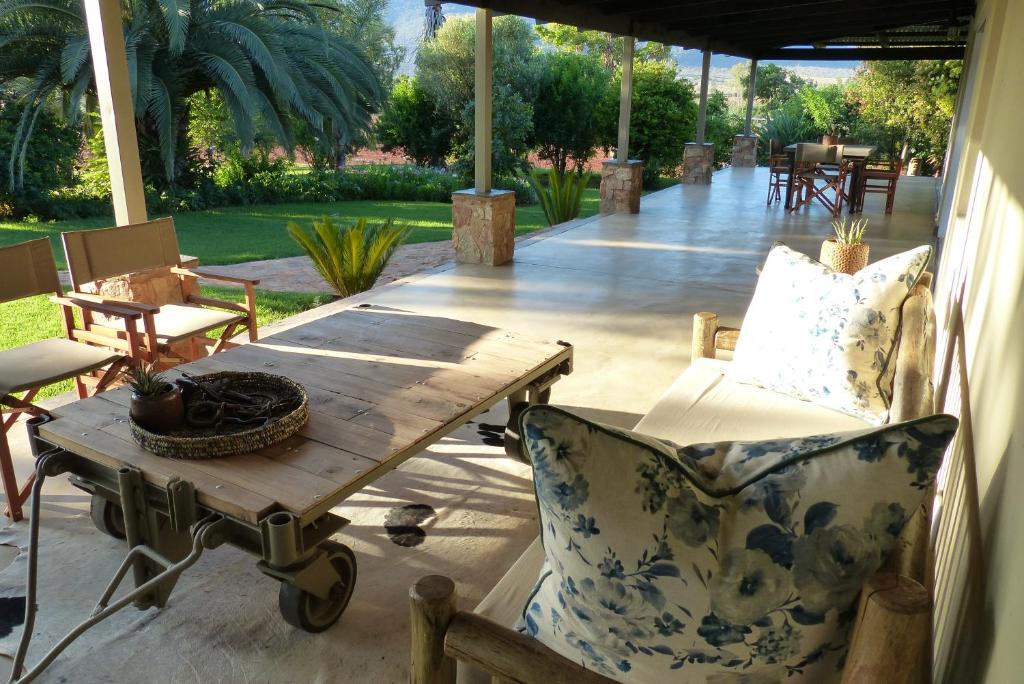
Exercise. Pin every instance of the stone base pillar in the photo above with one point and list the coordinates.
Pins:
(698, 163)
(621, 183)
(484, 226)
(744, 150)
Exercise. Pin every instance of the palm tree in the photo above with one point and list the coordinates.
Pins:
(272, 61)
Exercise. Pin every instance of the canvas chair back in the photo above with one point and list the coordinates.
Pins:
(835, 153)
(812, 153)
(107, 252)
(28, 270)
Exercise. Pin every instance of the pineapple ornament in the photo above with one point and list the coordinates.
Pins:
(846, 252)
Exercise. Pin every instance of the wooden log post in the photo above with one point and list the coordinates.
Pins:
(432, 606)
(892, 635)
(483, 96)
(625, 99)
(751, 90)
(705, 325)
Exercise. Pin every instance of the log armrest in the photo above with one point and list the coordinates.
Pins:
(709, 336)
(210, 275)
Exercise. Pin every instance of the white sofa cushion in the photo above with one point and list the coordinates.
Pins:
(715, 560)
(827, 337)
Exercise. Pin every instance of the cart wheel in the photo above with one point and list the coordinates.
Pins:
(311, 613)
(107, 516)
(544, 397)
(513, 442)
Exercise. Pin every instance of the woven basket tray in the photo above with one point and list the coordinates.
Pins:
(188, 442)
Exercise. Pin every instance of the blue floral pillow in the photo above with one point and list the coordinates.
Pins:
(728, 562)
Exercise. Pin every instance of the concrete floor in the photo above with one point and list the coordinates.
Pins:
(622, 289)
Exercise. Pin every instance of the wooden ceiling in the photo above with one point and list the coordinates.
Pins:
(771, 29)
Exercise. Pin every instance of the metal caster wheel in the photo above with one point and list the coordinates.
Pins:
(311, 613)
(107, 516)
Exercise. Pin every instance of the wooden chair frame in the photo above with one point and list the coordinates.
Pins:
(778, 170)
(891, 640)
(39, 268)
(808, 189)
(886, 172)
(151, 245)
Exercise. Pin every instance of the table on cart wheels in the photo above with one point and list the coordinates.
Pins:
(383, 385)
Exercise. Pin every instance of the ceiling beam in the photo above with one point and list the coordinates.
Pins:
(870, 54)
(811, 32)
(868, 14)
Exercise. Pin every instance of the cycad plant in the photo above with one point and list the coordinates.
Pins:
(850, 232)
(349, 258)
(272, 61)
(562, 196)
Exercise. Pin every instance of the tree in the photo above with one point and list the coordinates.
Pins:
(414, 124)
(565, 115)
(774, 83)
(663, 118)
(271, 61)
(914, 100)
(828, 108)
(607, 46)
(721, 126)
(444, 68)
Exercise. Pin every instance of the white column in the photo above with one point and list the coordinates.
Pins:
(625, 98)
(702, 115)
(483, 91)
(106, 38)
(751, 89)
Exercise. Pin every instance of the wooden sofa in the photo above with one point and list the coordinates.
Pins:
(894, 608)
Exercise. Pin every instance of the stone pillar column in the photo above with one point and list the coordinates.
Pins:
(744, 150)
(698, 163)
(621, 183)
(484, 226)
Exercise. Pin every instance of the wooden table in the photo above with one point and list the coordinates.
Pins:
(383, 385)
(858, 153)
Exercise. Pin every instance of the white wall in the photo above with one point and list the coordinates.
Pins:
(979, 573)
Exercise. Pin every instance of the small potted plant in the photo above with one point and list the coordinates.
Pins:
(156, 403)
(846, 252)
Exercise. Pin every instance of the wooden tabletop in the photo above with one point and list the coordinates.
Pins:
(851, 151)
(383, 384)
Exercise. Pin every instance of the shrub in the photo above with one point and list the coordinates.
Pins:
(414, 124)
(350, 259)
(562, 195)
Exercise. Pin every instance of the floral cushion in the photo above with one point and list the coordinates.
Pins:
(727, 562)
(827, 337)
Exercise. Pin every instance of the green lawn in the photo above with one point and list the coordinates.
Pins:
(36, 318)
(235, 234)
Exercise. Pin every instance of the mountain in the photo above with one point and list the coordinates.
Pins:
(407, 18)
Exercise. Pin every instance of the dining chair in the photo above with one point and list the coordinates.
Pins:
(29, 271)
(879, 176)
(175, 330)
(821, 170)
(778, 176)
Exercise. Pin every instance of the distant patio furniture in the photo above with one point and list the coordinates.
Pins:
(779, 169)
(383, 385)
(175, 329)
(28, 271)
(821, 172)
(878, 176)
(856, 154)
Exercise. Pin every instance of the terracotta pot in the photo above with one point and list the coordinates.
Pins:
(844, 258)
(159, 413)
(829, 140)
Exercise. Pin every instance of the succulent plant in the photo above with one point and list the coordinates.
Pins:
(850, 233)
(145, 381)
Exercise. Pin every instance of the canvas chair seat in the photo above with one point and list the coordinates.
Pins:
(177, 322)
(42, 363)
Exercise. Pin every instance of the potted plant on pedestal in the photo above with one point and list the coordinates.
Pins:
(846, 252)
(156, 404)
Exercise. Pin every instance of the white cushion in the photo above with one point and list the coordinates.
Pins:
(48, 361)
(827, 337)
(715, 562)
(705, 405)
(176, 322)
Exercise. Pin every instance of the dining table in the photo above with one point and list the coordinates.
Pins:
(856, 153)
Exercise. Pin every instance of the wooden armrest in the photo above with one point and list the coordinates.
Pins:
(892, 633)
(218, 303)
(726, 338)
(105, 308)
(209, 275)
(709, 336)
(139, 306)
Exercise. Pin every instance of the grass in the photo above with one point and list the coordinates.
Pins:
(36, 318)
(232, 235)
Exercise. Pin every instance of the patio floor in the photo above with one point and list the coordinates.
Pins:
(621, 288)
